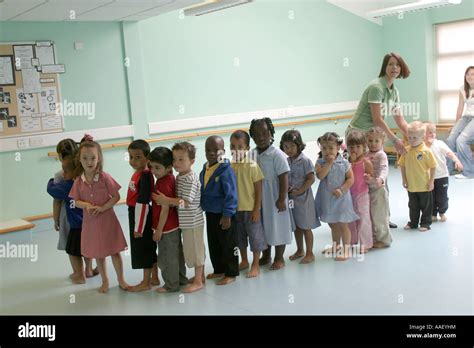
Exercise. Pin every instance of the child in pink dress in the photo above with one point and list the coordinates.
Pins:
(361, 230)
(96, 192)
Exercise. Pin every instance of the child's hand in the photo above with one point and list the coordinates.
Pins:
(255, 216)
(458, 166)
(56, 225)
(378, 182)
(369, 179)
(225, 222)
(158, 198)
(91, 209)
(157, 235)
(96, 210)
(405, 184)
(281, 205)
(431, 186)
(137, 235)
(295, 192)
(330, 159)
(337, 192)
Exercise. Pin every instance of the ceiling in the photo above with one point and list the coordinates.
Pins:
(361, 7)
(134, 10)
(88, 10)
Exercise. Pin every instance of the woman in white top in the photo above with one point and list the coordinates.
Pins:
(462, 135)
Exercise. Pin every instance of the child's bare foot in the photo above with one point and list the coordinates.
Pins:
(243, 265)
(191, 280)
(72, 275)
(78, 279)
(277, 264)
(379, 245)
(226, 280)
(193, 287)
(407, 227)
(443, 218)
(215, 275)
(434, 218)
(423, 229)
(155, 281)
(297, 255)
(161, 290)
(364, 250)
(330, 250)
(104, 288)
(254, 271)
(307, 259)
(341, 258)
(123, 285)
(92, 272)
(264, 261)
(142, 286)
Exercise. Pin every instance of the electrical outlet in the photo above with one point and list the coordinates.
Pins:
(22, 143)
(35, 142)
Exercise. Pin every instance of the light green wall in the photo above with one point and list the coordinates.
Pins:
(413, 36)
(190, 62)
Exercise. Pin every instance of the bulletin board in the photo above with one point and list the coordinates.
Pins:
(29, 89)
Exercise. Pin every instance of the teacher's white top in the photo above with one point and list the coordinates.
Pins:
(469, 102)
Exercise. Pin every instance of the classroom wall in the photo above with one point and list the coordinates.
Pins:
(289, 53)
(413, 36)
(94, 75)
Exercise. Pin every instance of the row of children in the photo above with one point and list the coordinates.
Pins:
(246, 201)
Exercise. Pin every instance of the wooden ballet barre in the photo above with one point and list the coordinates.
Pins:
(216, 131)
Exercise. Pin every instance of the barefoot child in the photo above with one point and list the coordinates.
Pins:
(361, 229)
(191, 221)
(301, 194)
(378, 194)
(142, 245)
(275, 215)
(165, 224)
(67, 147)
(418, 168)
(96, 192)
(333, 201)
(60, 191)
(248, 221)
(440, 152)
(219, 201)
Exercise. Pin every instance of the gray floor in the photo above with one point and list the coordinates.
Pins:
(422, 273)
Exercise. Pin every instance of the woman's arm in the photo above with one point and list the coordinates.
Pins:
(375, 110)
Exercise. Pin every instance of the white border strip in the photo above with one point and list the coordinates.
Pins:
(48, 140)
(246, 117)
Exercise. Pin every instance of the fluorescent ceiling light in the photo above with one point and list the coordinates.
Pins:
(213, 6)
(415, 6)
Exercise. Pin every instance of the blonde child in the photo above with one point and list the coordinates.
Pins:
(140, 188)
(96, 192)
(418, 168)
(333, 202)
(440, 150)
(67, 147)
(275, 215)
(191, 221)
(301, 194)
(361, 229)
(248, 219)
(379, 203)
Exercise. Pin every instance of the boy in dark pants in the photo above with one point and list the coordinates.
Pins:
(219, 201)
(418, 167)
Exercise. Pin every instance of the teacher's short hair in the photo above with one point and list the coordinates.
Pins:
(404, 69)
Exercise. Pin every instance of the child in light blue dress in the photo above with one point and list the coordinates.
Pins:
(275, 214)
(333, 200)
(300, 193)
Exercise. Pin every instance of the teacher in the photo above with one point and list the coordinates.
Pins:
(381, 99)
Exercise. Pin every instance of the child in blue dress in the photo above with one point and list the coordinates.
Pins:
(300, 194)
(333, 200)
(275, 215)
